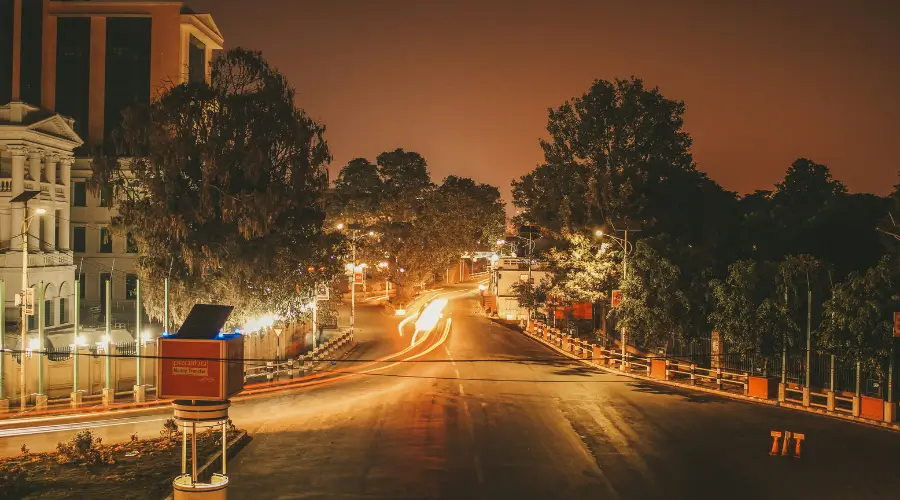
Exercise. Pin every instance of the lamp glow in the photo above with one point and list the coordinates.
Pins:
(40, 211)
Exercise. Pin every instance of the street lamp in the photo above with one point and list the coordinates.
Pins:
(626, 249)
(354, 235)
(24, 197)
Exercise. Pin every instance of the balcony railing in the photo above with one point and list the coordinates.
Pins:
(36, 260)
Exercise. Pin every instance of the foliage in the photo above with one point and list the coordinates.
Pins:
(170, 430)
(13, 481)
(858, 319)
(84, 449)
(746, 312)
(221, 186)
(396, 215)
(656, 306)
(584, 269)
(529, 294)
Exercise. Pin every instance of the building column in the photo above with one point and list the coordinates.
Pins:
(64, 224)
(50, 171)
(65, 175)
(34, 166)
(48, 238)
(34, 230)
(18, 185)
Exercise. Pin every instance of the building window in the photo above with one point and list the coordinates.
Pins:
(81, 287)
(73, 72)
(48, 312)
(30, 60)
(105, 240)
(63, 313)
(196, 61)
(130, 244)
(6, 50)
(79, 194)
(127, 68)
(131, 286)
(78, 235)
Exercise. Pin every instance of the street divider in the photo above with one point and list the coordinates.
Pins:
(715, 379)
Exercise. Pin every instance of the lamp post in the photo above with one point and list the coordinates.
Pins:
(354, 236)
(23, 198)
(626, 249)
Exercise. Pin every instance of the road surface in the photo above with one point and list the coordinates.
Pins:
(477, 418)
(479, 411)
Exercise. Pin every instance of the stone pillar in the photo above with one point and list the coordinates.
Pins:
(48, 238)
(64, 224)
(18, 185)
(65, 174)
(50, 171)
(35, 158)
(34, 230)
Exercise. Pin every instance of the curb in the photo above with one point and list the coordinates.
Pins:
(234, 447)
(740, 397)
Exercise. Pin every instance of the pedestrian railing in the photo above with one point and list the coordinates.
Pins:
(750, 383)
(300, 365)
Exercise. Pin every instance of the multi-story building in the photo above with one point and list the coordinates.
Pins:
(87, 61)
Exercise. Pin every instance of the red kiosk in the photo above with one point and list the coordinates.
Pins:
(200, 367)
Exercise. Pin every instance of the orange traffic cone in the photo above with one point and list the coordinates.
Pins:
(787, 443)
(776, 440)
(798, 438)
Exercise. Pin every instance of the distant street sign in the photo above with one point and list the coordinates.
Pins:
(616, 298)
(323, 292)
(897, 324)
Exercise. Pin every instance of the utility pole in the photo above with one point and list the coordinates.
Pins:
(139, 377)
(624, 277)
(23, 198)
(353, 284)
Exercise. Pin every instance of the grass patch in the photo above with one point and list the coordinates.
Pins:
(86, 468)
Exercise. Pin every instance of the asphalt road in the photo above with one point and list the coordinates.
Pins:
(479, 411)
(489, 413)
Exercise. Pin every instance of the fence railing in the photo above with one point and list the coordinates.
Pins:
(299, 365)
(834, 386)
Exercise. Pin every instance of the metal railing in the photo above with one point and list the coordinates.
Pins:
(732, 372)
(301, 364)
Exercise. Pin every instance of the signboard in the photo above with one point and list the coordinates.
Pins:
(200, 369)
(358, 275)
(897, 324)
(323, 292)
(616, 298)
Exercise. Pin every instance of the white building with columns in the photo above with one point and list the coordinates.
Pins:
(36, 154)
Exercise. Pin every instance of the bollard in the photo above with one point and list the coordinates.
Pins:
(776, 440)
(693, 374)
(787, 442)
(718, 379)
(798, 438)
(269, 371)
(830, 404)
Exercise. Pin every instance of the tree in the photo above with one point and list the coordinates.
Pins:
(584, 269)
(417, 228)
(657, 305)
(746, 311)
(221, 186)
(858, 318)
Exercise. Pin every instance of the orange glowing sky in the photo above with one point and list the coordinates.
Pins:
(467, 83)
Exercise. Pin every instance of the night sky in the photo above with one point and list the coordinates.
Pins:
(467, 83)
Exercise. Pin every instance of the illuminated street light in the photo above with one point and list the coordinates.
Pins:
(598, 233)
(371, 233)
(340, 225)
(501, 242)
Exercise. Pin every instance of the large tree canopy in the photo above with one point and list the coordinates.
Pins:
(416, 227)
(221, 187)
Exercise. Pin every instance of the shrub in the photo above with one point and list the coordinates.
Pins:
(13, 481)
(84, 448)
(170, 430)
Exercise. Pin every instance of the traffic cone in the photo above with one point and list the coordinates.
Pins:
(776, 439)
(798, 438)
(787, 442)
